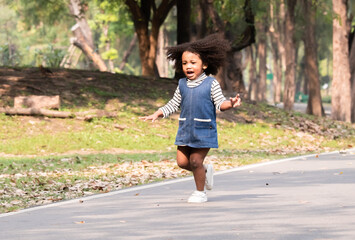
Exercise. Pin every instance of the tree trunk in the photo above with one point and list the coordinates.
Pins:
(128, 52)
(76, 9)
(289, 89)
(218, 26)
(83, 34)
(282, 34)
(341, 87)
(235, 71)
(277, 74)
(352, 69)
(107, 48)
(231, 74)
(162, 63)
(314, 105)
(183, 20)
(84, 46)
(199, 27)
(261, 92)
(147, 40)
(277, 48)
(252, 76)
(88, 115)
(300, 72)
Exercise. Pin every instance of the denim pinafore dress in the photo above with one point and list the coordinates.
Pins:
(197, 121)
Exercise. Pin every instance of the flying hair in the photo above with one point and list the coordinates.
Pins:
(211, 49)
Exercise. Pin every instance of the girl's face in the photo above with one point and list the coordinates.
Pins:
(192, 65)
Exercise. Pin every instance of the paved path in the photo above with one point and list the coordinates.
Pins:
(309, 197)
(302, 107)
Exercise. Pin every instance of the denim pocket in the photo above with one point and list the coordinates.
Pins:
(202, 128)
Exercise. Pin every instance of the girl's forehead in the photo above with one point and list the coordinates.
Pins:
(188, 54)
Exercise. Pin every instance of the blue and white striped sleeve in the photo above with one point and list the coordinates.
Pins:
(217, 94)
(173, 105)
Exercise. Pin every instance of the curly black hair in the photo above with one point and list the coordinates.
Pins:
(211, 49)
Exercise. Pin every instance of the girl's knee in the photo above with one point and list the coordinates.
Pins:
(196, 163)
(183, 165)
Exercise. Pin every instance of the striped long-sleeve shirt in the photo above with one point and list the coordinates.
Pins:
(173, 105)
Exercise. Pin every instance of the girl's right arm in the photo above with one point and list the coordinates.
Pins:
(154, 116)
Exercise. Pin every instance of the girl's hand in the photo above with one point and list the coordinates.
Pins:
(150, 117)
(236, 101)
(153, 117)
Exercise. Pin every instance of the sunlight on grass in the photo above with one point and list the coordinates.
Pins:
(128, 132)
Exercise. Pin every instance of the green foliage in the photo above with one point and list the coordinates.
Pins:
(34, 13)
(110, 54)
(31, 44)
(50, 56)
(9, 56)
(232, 12)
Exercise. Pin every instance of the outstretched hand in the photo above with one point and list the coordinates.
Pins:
(153, 117)
(236, 101)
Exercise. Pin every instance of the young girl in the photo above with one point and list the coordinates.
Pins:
(198, 96)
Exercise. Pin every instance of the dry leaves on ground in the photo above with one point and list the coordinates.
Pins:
(32, 188)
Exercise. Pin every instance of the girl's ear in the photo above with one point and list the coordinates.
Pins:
(204, 67)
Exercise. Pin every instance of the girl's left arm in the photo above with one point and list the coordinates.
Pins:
(231, 103)
(220, 101)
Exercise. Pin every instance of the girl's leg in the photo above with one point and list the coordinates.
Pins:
(197, 157)
(183, 156)
(192, 159)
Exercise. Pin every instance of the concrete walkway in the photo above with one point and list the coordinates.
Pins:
(308, 197)
(302, 107)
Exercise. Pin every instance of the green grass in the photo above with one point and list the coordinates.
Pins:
(37, 138)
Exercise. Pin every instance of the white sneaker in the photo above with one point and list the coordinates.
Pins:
(197, 197)
(209, 177)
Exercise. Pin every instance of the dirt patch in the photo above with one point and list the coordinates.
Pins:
(79, 88)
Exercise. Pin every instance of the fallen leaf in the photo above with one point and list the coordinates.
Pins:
(15, 202)
(81, 222)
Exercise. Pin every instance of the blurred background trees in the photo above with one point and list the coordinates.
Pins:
(283, 51)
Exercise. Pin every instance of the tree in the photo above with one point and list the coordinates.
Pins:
(148, 37)
(277, 33)
(252, 91)
(183, 20)
(83, 35)
(314, 105)
(289, 88)
(262, 52)
(341, 87)
(50, 12)
(352, 68)
(230, 77)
